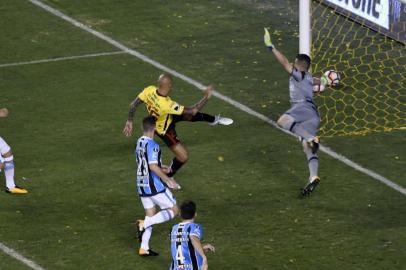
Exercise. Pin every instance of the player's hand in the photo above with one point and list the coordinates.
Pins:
(209, 91)
(172, 184)
(209, 247)
(128, 128)
(324, 80)
(165, 169)
(4, 112)
(267, 39)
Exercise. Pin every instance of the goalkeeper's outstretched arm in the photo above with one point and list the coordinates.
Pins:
(279, 56)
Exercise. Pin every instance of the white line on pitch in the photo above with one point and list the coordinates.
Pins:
(11, 252)
(200, 86)
(60, 59)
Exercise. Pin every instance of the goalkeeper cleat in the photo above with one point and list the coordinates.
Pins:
(140, 229)
(314, 144)
(309, 188)
(16, 190)
(147, 253)
(222, 121)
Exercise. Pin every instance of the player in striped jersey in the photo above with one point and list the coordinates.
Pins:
(7, 163)
(168, 113)
(153, 186)
(186, 247)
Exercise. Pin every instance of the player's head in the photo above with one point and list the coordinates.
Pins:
(188, 210)
(302, 62)
(165, 84)
(148, 124)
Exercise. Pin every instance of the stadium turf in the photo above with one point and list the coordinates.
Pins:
(65, 130)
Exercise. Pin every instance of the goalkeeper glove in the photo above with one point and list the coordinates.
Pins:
(267, 40)
(324, 80)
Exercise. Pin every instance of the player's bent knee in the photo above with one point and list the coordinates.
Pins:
(8, 154)
(285, 121)
(280, 122)
(175, 210)
(182, 157)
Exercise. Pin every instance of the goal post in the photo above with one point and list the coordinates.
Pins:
(305, 32)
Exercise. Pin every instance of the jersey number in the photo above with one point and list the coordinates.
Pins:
(142, 164)
(179, 255)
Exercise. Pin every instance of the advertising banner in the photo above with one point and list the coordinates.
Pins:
(385, 16)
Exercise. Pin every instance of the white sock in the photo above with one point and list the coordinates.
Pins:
(9, 172)
(313, 161)
(145, 238)
(160, 217)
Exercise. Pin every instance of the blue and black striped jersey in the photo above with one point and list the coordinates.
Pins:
(148, 152)
(184, 256)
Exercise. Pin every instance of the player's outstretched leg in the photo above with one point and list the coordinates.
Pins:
(287, 122)
(144, 227)
(7, 163)
(181, 157)
(212, 120)
(219, 120)
(313, 163)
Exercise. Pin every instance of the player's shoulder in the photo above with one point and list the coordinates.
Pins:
(175, 227)
(149, 89)
(152, 144)
(196, 229)
(141, 140)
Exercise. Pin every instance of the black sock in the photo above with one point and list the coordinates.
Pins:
(175, 166)
(203, 117)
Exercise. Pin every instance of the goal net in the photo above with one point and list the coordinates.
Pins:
(372, 94)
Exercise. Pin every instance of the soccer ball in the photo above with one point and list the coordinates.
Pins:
(333, 77)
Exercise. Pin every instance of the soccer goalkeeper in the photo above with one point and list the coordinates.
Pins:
(302, 118)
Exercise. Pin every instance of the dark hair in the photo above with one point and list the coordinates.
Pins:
(304, 59)
(148, 123)
(188, 210)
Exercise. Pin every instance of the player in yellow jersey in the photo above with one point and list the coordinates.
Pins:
(168, 113)
(7, 163)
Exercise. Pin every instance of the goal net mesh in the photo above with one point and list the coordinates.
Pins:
(372, 94)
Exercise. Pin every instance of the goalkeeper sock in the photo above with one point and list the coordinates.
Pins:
(198, 117)
(145, 238)
(175, 166)
(9, 172)
(312, 159)
(160, 217)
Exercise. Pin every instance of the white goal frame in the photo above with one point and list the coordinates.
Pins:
(305, 31)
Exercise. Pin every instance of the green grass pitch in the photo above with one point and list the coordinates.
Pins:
(65, 131)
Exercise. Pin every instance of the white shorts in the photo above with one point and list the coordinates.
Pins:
(4, 147)
(164, 200)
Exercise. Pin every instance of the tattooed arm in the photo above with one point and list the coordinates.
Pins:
(128, 128)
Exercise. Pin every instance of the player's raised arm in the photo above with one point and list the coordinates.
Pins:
(128, 128)
(3, 112)
(191, 111)
(279, 56)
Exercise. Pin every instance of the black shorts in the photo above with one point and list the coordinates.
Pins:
(170, 138)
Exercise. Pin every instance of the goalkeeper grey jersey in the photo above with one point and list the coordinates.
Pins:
(300, 87)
